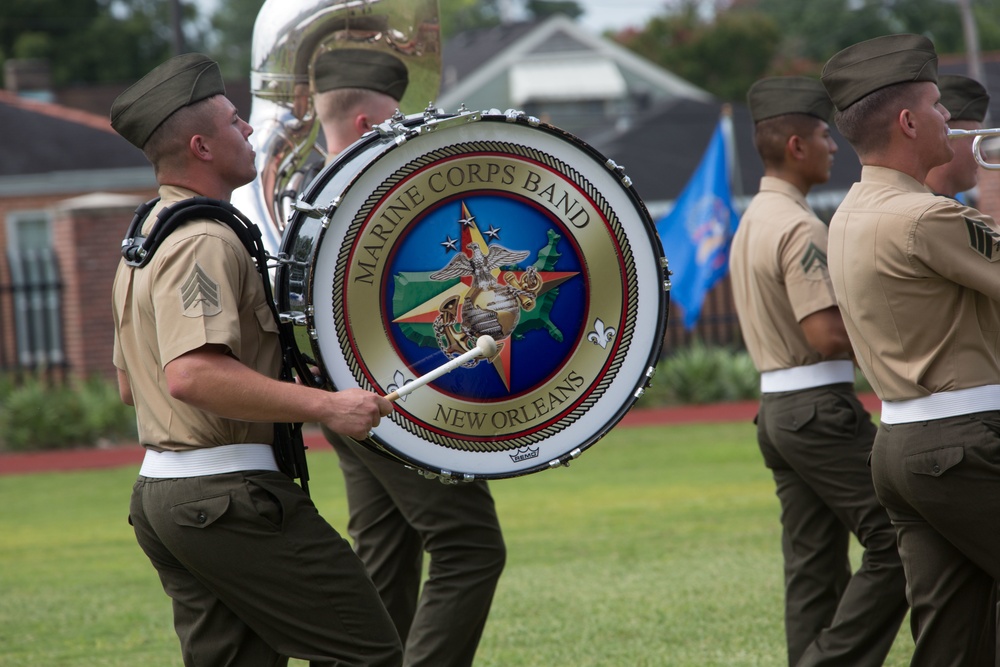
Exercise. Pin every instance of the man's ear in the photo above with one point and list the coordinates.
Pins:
(199, 147)
(362, 123)
(906, 123)
(793, 147)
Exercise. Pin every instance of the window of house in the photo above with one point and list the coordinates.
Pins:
(36, 290)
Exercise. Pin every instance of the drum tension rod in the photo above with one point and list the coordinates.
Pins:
(283, 259)
(618, 169)
(564, 462)
(316, 211)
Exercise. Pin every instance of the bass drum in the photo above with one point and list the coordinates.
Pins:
(436, 229)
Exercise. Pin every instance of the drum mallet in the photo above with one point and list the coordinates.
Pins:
(485, 347)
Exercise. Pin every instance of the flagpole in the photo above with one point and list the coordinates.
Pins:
(735, 177)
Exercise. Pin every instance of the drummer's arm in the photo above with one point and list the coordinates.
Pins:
(212, 380)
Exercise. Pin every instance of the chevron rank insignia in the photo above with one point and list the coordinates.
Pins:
(813, 259)
(200, 294)
(983, 239)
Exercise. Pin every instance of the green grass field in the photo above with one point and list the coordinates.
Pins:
(658, 547)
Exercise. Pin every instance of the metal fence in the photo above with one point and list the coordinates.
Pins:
(31, 338)
(717, 326)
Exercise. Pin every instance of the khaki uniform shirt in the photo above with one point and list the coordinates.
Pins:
(779, 275)
(201, 287)
(918, 282)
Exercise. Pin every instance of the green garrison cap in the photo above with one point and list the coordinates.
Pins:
(178, 82)
(874, 64)
(964, 98)
(361, 68)
(776, 96)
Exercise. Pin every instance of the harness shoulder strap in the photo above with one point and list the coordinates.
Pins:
(138, 250)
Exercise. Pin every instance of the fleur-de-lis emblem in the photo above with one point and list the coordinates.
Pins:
(601, 336)
(398, 380)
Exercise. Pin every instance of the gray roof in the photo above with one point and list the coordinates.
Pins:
(469, 50)
(41, 138)
(476, 64)
(662, 149)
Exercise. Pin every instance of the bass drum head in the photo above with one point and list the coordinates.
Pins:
(487, 224)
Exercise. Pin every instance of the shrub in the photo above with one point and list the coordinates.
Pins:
(702, 374)
(35, 415)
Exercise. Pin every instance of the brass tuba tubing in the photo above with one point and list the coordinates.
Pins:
(287, 37)
(978, 137)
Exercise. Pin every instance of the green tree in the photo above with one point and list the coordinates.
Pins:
(461, 15)
(232, 26)
(88, 41)
(815, 31)
(541, 9)
(723, 54)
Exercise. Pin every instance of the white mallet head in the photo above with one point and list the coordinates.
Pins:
(487, 346)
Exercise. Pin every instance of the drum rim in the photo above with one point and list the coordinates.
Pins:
(387, 448)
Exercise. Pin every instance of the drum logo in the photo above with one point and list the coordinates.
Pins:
(489, 307)
(476, 243)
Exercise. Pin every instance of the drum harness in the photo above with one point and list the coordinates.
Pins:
(137, 250)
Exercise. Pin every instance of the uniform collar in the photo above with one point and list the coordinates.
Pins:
(775, 184)
(892, 177)
(175, 193)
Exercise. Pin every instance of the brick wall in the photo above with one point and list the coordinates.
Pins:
(87, 234)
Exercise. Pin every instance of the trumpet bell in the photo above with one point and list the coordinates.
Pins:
(979, 136)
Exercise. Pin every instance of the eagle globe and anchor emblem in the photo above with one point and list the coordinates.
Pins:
(489, 308)
(480, 288)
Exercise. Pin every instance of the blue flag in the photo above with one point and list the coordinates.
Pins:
(697, 231)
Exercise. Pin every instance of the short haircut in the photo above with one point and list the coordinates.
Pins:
(169, 141)
(864, 123)
(772, 134)
(333, 105)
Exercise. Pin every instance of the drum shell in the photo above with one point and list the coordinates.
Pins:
(354, 180)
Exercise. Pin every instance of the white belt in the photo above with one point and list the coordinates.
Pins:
(942, 404)
(807, 377)
(208, 461)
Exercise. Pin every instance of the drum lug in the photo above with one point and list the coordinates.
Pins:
(445, 476)
(650, 372)
(293, 317)
(439, 124)
(317, 212)
(616, 168)
(515, 116)
(564, 462)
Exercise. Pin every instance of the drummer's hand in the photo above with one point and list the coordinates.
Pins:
(356, 412)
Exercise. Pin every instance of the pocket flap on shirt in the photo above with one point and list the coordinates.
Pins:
(796, 419)
(200, 513)
(265, 318)
(935, 462)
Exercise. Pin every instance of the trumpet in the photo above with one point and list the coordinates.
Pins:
(979, 136)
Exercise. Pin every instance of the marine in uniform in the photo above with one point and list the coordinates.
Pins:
(918, 284)
(254, 572)
(967, 103)
(396, 515)
(813, 432)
